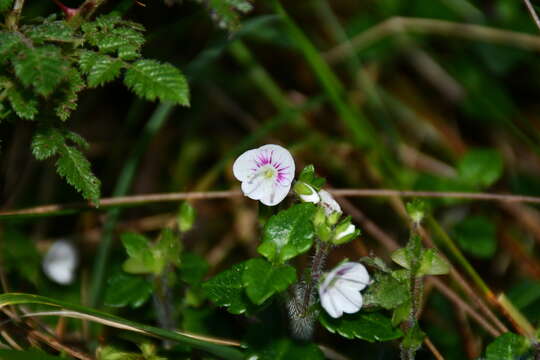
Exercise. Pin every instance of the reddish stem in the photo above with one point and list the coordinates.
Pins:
(68, 12)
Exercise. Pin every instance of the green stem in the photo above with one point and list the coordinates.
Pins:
(122, 186)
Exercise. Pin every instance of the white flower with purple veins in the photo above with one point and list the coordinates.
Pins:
(340, 289)
(328, 203)
(266, 173)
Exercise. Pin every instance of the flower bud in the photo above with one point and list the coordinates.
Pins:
(345, 232)
(186, 217)
(306, 192)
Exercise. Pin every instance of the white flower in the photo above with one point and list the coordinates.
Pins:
(60, 262)
(266, 173)
(306, 192)
(340, 289)
(328, 203)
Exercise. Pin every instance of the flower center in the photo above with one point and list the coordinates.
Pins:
(269, 173)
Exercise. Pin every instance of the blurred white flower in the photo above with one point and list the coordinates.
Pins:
(306, 192)
(60, 262)
(328, 203)
(266, 173)
(340, 289)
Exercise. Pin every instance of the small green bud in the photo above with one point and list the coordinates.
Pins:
(333, 218)
(319, 218)
(345, 232)
(306, 192)
(324, 232)
(186, 217)
(417, 210)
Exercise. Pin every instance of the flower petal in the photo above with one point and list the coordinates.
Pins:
(343, 302)
(329, 204)
(328, 305)
(244, 165)
(276, 195)
(357, 274)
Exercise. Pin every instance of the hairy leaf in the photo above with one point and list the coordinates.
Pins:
(262, 279)
(99, 68)
(366, 326)
(47, 142)
(69, 94)
(58, 31)
(75, 168)
(44, 68)
(150, 79)
(288, 233)
(227, 289)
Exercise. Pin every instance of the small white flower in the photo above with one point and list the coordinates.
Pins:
(340, 289)
(60, 262)
(266, 173)
(328, 203)
(307, 193)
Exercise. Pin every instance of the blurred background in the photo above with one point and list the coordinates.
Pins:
(410, 95)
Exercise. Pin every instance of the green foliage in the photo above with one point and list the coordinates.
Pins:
(507, 346)
(309, 177)
(288, 233)
(262, 280)
(412, 341)
(420, 261)
(476, 235)
(150, 79)
(40, 78)
(26, 355)
(71, 163)
(127, 290)
(19, 255)
(481, 167)
(167, 250)
(5, 5)
(366, 326)
(139, 251)
(226, 12)
(227, 289)
(285, 349)
(387, 292)
(148, 352)
(186, 217)
(193, 268)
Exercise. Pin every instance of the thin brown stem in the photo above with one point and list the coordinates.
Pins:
(433, 349)
(533, 13)
(398, 25)
(136, 200)
(12, 20)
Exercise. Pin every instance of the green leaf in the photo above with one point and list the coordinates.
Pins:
(507, 346)
(476, 235)
(481, 167)
(126, 42)
(24, 105)
(262, 279)
(73, 166)
(68, 94)
(42, 67)
(141, 260)
(99, 69)
(366, 326)
(286, 349)
(123, 290)
(10, 43)
(226, 12)
(110, 353)
(152, 80)
(308, 176)
(220, 351)
(289, 233)
(432, 263)
(167, 250)
(47, 142)
(58, 31)
(193, 268)
(25, 354)
(386, 292)
(413, 338)
(5, 5)
(227, 289)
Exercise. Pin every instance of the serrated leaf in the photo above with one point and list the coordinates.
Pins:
(10, 43)
(152, 80)
(507, 346)
(77, 139)
(226, 289)
(46, 143)
(481, 167)
(127, 290)
(386, 292)
(22, 103)
(124, 41)
(69, 94)
(262, 279)
(75, 168)
(366, 326)
(476, 235)
(50, 31)
(193, 268)
(289, 233)
(43, 67)
(141, 260)
(99, 68)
